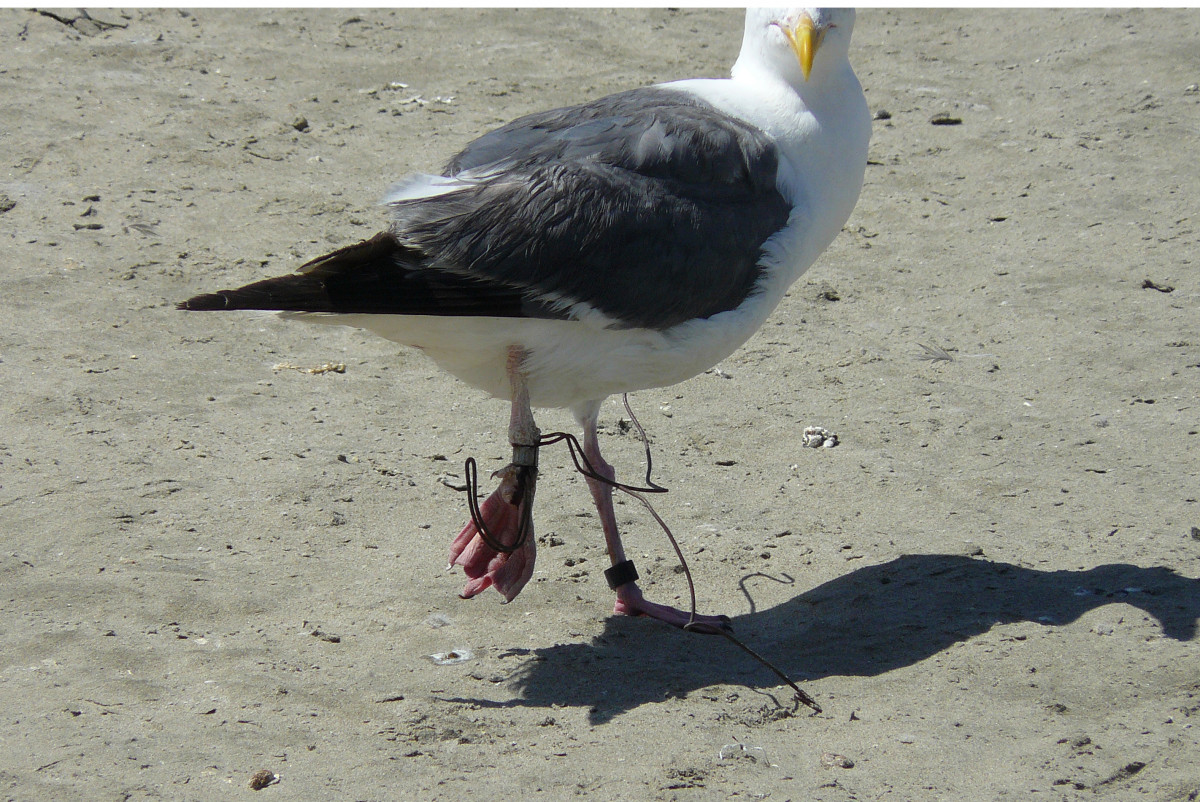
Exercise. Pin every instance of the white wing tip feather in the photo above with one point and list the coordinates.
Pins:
(421, 185)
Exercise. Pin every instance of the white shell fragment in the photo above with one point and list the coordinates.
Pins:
(818, 437)
(450, 658)
(740, 751)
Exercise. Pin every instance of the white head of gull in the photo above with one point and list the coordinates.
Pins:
(625, 243)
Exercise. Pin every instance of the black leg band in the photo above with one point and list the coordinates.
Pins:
(621, 574)
(525, 456)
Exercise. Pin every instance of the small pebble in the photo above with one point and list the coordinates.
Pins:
(836, 761)
(262, 778)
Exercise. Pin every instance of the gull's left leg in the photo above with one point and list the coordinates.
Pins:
(508, 512)
(622, 577)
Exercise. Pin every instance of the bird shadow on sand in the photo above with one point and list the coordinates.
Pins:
(874, 620)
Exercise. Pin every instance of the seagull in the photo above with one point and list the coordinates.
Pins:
(625, 243)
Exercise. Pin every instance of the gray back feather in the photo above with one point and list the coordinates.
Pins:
(648, 205)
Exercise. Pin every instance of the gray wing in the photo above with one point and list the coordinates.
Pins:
(649, 206)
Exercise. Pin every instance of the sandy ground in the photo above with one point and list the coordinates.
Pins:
(213, 566)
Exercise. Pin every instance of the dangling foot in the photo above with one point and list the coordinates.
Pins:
(486, 566)
(507, 514)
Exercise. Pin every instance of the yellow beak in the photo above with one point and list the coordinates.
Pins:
(805, 39)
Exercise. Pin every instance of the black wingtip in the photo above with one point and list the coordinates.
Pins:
(209, 302)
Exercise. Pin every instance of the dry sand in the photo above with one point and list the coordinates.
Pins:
(212, 566)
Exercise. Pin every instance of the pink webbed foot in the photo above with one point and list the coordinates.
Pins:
(630, 601)
(485, 566)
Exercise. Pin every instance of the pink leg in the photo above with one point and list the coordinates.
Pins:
(505, 509)
(630, 600)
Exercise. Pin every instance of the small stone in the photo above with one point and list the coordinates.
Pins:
(452, 482)
(262, 778)
(836, 761)
(943, 118)
(1150, 284)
